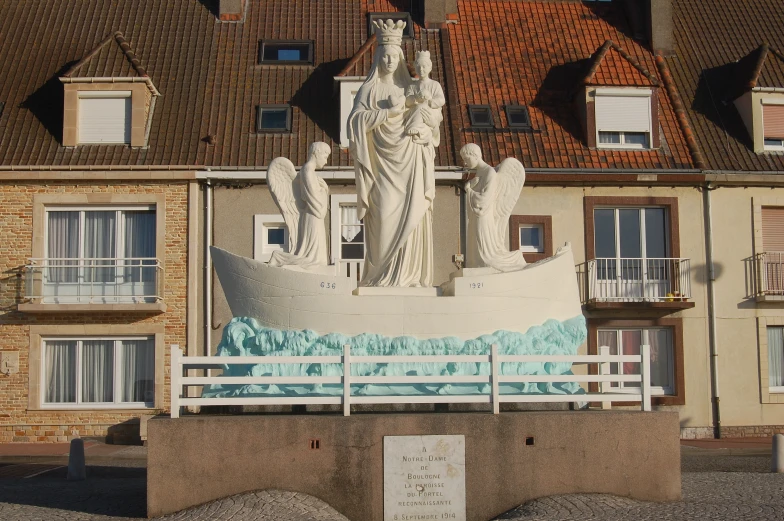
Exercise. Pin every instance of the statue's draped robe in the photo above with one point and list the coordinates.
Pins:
(489, 248)
(311, 247)
(395, 189)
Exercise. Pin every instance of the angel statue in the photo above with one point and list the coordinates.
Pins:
(492, 195)
(303, 200)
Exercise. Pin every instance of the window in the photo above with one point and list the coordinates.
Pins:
(626, 237)
(623, 118)
(347, 235)
(776, 359)
(348, 90)
(105, 117)
(270, 234)
(517, 116)
(408, 32)
(531, 238)
(286, 52)
(629, 342)
(480, 116)
(101, 253)
(773, 124)
(273, 118)
(98, 372)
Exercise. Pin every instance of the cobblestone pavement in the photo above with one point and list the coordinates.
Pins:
(743, 491)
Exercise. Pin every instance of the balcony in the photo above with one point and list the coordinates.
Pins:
(94, 284)
(765, 276)
(613, 283)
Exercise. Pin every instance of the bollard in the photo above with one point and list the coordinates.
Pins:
(76, 465)
(778, 454)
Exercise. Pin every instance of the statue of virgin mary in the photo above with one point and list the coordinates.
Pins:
(394, 174)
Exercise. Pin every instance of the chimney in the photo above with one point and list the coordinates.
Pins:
(438, 12)
(661, 26)
(231, 10)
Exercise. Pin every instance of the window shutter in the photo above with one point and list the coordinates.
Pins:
(773, 119)
(773, 229)
(623, 113)
(105, 120)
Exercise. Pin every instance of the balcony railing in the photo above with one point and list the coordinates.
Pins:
(765, 274)
(131, 280)
(634, 280)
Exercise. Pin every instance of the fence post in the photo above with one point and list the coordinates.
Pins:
(645, 366)
(346, 380)
(176, 374)
(604, 369)
(495, 370)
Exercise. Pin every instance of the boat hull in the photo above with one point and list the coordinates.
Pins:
(469, 306)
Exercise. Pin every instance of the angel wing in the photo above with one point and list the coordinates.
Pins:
(511, 178)
(280, 176)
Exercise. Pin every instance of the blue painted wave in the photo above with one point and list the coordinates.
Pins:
(246, 337)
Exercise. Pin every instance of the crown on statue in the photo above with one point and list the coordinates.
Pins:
(389, 32)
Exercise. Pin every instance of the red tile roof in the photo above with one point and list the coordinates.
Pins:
(612, 66)
(537, 53)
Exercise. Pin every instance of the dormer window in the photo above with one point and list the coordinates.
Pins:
(623, 118)
(408, 32)
(286, 52)
(273, 118)
(773, 124)
(104, 117)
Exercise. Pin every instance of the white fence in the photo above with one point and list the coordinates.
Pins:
(604, 378)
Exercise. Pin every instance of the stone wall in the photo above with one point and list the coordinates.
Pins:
(18, 421)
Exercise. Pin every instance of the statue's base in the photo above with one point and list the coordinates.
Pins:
(340, 459)
(395, 292)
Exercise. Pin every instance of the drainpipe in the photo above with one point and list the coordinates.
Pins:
(712, 336)
(207, 269)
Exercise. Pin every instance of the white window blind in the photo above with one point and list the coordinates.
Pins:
(773, 120)
(773, 228)
(105, 119)
(623, 113)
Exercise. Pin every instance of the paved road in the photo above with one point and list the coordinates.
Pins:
(730, 487)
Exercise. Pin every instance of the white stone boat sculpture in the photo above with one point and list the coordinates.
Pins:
(473, 303)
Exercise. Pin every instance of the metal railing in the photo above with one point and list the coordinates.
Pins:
(766, 273)
(489, 383)
(106, 280)
(634, 280)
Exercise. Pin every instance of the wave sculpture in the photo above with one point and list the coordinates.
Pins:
(244, 336)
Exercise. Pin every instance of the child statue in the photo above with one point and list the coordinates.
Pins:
(424, 98)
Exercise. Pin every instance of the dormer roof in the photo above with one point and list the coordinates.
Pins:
(610, 65)
(113, 57)
(761, 68)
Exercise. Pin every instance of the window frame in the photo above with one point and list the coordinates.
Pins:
(262, 250)
(545, 221)
(768, 102)
(472, 116)
(773, 389)
(675, 324)
(657, 390)
(524, 109)
(116, 371)
(623, 92)
(268, 130)
(335, 240)
(105, 94)
(264, 42)
(408, 32)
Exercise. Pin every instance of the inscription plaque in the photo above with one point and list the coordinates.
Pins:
(424, 478)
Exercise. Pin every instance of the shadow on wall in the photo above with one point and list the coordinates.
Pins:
(700, 272)
(125, 433)
(556, 96)
(712, 100)
(11, 289)
(46, 103)
(318, 98)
